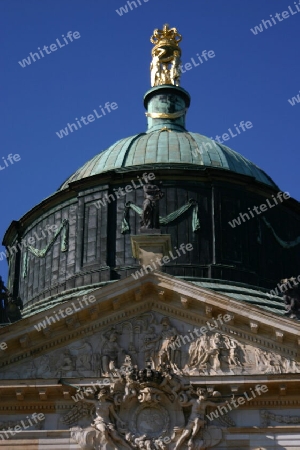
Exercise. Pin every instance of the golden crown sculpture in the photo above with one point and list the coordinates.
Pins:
(167, 38)
(165, 65)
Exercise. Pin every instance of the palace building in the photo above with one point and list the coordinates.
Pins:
(120, 345)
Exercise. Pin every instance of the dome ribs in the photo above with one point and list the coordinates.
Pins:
(174, 147)
(163, 147)
(152, 145)
(130, 146)
(169, 147)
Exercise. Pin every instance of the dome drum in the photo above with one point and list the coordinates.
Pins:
(98, 252)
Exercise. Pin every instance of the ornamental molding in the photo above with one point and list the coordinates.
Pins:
(158, 292)
(146, 410)
(158, 306)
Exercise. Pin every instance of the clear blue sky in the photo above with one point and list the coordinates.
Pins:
(251, 78)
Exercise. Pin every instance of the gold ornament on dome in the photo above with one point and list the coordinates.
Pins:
(158, 115)
(166, 53)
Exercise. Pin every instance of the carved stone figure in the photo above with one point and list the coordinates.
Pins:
(218, 345)
(215, 353)
(233, 355)
(102, 423)
(152, 403)
(84, 355)
(171, 384)
(196, 421)
(68, 363)
(131, 386)
(149, 340)
(110, 354)
(268, 362)
(150, 215)
(167, 355)
(149, 346)
(198, 351)
(291, 366)
(132, 353)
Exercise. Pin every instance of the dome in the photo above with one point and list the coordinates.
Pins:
(169, 147)
(208, 191)
(167, 143)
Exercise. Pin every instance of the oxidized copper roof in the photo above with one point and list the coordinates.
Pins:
(170, 147)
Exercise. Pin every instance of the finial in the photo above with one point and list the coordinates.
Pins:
(165, 65)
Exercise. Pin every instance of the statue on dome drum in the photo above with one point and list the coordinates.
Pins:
(3, 302)
(10, 306)
(165, 65)
(291, 298)
(150, 214)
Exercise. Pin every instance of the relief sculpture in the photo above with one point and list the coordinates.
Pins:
(165, 351)
(218, 353)
(111, 353)
(267, 417)
(154, 340)
(151, 409)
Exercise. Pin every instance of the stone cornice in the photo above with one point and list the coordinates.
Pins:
(158, 292)
(263, 430)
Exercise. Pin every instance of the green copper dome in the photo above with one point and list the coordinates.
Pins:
(167, 142)
(173, 147)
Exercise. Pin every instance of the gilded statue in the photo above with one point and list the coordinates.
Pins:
(165, 65)
(175, 71)
(155, 67)
(166, 36)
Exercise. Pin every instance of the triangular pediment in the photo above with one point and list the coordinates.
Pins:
(212, 334)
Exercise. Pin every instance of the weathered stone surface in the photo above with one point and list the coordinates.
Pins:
(157, 376)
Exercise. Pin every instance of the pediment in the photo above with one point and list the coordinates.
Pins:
(162, 340)
(153, 319)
